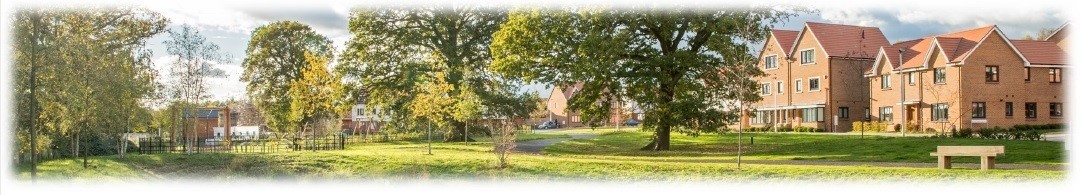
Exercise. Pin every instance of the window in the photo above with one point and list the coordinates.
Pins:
(575, 119)
(1010, 109)
(1055, 109)
(771, 62)
(884, 82)
(781, 88)
(1053, 75)
(978, 110)
(1031, 110)
(991, 73)
(912, 78)
(813, 84)
(765, 88)
(797, 86)
(843, 112)
(813, 115)
(939, 112)
(940, 75)
(886, 114)
(1027, 73)
(807, 56)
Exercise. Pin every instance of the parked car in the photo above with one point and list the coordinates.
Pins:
(548, 125)
(631, 122)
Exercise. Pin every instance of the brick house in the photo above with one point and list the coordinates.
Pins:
(206, 119)
(558, 103)
(967, 79)
(815, 75)
(361, 121)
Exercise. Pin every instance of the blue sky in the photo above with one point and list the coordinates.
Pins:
(230, 24)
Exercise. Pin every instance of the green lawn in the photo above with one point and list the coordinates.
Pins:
(407, 161)
(771, 146)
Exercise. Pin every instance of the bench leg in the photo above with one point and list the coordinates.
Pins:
(944, 162)
(988, 162)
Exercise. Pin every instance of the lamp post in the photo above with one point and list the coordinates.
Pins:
(902, 94)
(775, 112)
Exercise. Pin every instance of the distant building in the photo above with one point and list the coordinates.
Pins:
(206, 119)
(559, 112)
(361, 120)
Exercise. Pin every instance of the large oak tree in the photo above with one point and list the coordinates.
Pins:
(407, 59)
(667, 60)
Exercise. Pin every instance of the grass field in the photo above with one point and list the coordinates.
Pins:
(407, 161)
(771, 146)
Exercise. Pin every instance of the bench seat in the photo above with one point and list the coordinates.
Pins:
(987, 153)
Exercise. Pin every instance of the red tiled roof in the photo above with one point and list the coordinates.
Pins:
(785, 39)
(1041, 52)
(956, 46)
(913, 52)
(847, 40)
(960, 44)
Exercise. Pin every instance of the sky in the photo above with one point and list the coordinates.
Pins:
(229, 25)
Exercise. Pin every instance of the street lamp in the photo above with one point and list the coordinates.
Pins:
(775, 121)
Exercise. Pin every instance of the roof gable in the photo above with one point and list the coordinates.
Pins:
(839, 40)
(784, 39)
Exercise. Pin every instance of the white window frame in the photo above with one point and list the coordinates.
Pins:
(820, 80)
(764, 91)
(884, 82)
(781, 87)
(765, 67)
(912, 78)
(801, 58)
(797, 86)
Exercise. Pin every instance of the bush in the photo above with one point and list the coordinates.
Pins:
(929, 130)
(897, 127)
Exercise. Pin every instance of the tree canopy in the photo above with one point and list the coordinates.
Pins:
(666, 60)
(402, 59)
(81, 76)
(276, 56)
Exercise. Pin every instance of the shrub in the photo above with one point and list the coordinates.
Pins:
(897, 127)
(929, 130)
(986, 134)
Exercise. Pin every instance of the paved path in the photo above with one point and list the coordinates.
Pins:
(535, 146)
(852, 164)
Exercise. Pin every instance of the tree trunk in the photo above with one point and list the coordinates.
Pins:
(661, 138)
(456, 134)
(85, 153)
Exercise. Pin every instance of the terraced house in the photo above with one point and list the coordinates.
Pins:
(974, 78)
(814, 76)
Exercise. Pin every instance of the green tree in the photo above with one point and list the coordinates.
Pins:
(396, 50)
(275, 59)
(193, 59)
(665, 59)
(314, 94)
(91, 75)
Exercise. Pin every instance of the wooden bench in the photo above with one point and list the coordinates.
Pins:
(987, 153)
